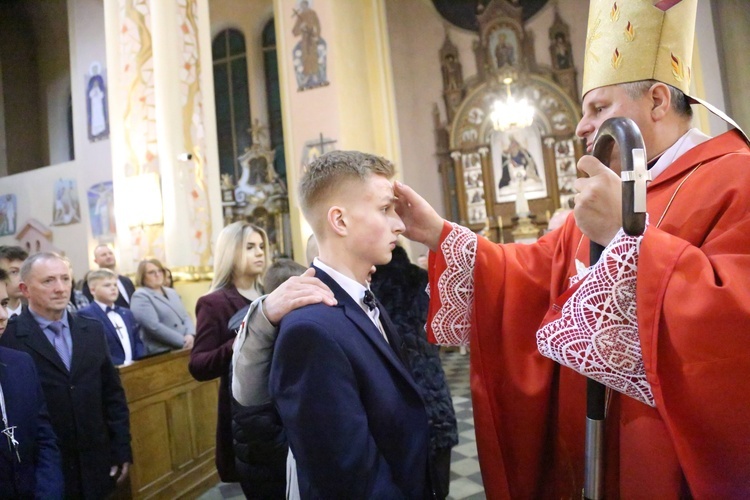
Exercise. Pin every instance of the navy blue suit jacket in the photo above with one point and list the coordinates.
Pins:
(87, 404)
(116, 352)
(352, 413)
(39, 473)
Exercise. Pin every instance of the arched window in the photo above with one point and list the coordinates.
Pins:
(273, 98)
(232, 96)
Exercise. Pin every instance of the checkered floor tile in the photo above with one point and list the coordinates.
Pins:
(466, 481)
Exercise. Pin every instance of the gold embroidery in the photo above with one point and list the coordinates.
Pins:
(614, 14)
(679, 71)
(629, 32)
(616, 59)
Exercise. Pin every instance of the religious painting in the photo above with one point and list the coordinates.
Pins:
(67, 209)
(518, 164)
(97, 119)
(476, 207)
(7, 214)
(102, 211)
(311, 52)
(504, 49)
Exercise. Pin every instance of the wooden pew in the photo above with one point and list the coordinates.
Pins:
(173, 426)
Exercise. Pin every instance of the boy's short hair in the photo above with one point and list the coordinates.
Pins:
(99, 275)
(331, 170)
(279, 272)
(12, 252)
(4, 276)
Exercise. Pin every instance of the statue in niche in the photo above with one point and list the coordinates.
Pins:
(453, 78)
(504, 52)
(561, 52)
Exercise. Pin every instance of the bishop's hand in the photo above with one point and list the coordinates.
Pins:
(423, 224)
(598, 209)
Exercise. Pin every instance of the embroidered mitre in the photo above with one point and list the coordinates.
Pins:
(633, 40)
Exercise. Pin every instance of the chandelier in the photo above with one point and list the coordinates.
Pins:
(511, 113)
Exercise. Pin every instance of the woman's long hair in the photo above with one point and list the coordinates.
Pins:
(229, 247)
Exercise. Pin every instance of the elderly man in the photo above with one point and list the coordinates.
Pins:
(29, 457)
(679, 425)
(81, 385)
(104, 257)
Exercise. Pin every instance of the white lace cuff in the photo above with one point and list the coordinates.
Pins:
(596, 333)
(451, 324)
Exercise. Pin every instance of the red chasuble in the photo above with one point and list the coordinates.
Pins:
(693, 313)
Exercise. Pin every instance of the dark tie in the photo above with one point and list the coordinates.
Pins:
(369, 300)
(59, 342)
(109, 310)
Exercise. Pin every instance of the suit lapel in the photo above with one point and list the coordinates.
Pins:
(164, 300)
(357, 315)
(106, 323)
(77, 335)
(29, 332)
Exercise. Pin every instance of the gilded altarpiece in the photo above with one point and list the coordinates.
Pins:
(484, 169)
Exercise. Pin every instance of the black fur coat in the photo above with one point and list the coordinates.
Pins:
(401, 287)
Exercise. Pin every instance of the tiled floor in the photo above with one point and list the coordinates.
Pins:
(466, 481)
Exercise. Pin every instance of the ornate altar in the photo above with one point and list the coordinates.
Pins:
(495, 173)
(259, 196)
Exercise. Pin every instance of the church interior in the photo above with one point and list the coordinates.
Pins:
(149, 125)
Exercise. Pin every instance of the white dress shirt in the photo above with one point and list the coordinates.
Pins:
(122, 331)
(122, 290)
(355, 290)
(16, 311)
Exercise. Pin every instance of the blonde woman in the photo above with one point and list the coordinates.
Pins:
(165, 323)
(240, 261)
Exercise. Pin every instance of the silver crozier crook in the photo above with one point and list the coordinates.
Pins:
(635, 176)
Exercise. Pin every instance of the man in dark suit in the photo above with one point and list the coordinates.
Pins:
(120, 327)
(81, 385)
(353, 415)
(104, 257)
(29, 457)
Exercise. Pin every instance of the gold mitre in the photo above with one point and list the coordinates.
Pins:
(632, 40)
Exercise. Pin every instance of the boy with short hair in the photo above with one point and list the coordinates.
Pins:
(120, 326)
(355, 421)
(11, 260)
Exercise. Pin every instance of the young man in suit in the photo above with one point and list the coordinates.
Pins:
(104, 257)
(29, 457)
(355, 421)
(11, 260)
(81, 385)
(125, 346)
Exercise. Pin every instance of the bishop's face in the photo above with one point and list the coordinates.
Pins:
(608, 102)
